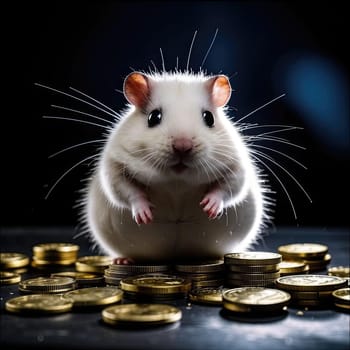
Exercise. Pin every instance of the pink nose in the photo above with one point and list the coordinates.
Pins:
(182, 146)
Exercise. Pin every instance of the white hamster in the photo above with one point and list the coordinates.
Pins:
(175, 180)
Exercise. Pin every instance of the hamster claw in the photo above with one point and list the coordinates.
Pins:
(141, 212)
(212, 205)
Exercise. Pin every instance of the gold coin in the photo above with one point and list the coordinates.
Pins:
(253, 258)
(303, 250)
(9, 277)
(203, 267)
(252, 277)
(138, 269)
(13, 260)
(340, 271)
(47, 285)
(343, 306)
(41, 263)
(55, 248)
(155, 284)
(198, 277)
(93, 263)
(255, 299)
(323, 295)
(141, 314)
(81, 277)
(240, 283)
(253, 268)
(292, 267)
(39, 303)
(209, 283)
(206, 295)
(310, 283)
(94, 296)
(342, 296)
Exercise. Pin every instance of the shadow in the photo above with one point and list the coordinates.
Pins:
(253, 317)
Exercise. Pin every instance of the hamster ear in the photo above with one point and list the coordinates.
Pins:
(219, 89)
(136, 89)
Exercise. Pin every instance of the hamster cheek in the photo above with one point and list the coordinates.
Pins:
(213, 203)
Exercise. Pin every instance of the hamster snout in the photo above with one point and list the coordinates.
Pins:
(182, 146)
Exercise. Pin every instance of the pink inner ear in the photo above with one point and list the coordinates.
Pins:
(136, 89)
(221, 90)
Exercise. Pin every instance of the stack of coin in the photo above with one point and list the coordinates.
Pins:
(47, 285)
(95, 296)
(7, 277)
(289, 267)
(83, 279)
(252, 269)
(206, 295)
(93, 263)
(255, 300)
(115, 273)
(204, 274)
(155, 287)
(340, 271)
(14, 262)
(310, 290)
(54, 254)
(39, 303)
(312, 254)
(341, 298)
(141, 314)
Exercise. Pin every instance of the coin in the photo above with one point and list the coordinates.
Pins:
(40, 303)
(323, 295)
(342, 296)
(340, 271)
(240, 283)
(43, 263)
(318, 264)
(156, 284)
(255, 299)
(206, 295)
(198, 277)
(93, 263)
(55, 247)
(94, 296)
(292, 267)
(141, 314)
(303, 250)
(47, 285)
(310, 283)
(202, 267)
(253, 268)
(82, 278)
(343, 306)
(209, 283)
(252, 277)
(138, 269)
(252, 258)
(13, 260)
(9, 277)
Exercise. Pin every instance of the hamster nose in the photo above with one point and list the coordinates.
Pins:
(182, 146)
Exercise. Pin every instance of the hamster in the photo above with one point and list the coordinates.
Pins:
(175, 180)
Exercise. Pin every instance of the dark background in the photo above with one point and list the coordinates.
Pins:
(270, 48)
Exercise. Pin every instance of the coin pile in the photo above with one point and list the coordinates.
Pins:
(155, 287)
(115, 273)
(207, 295)
(204, 274)
(14, 262)
(141, 314)
(54, 254)
(47, 285)
(7, 277)
(341, 298)
(288, 267)
(93, 263)
(310, 290)
(314, 255)
(255, 300)
(252, 269)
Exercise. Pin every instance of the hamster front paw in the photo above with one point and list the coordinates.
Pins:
(213, 204)
(141, 211)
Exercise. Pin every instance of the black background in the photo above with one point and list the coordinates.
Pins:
(91, 46)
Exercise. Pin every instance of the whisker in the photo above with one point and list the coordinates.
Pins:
(75, 98)
(82, 113)
(280, 182)
(120, 91)
(257, 126)
(74, 146)
(67, 172)
(276, 139)
(190, 51)
(177, 63)
(261, 154)
(162, 57)
(281, 153)
(75, 120)
(154, 66)
(211, 45)
(93, 99)
(261, 107)
(277, 131)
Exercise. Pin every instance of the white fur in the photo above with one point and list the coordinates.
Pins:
(180, 228)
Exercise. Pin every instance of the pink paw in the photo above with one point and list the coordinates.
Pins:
(141, 211)
(212, 204)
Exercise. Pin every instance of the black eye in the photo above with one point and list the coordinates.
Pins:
(208, 119)
(154, 118)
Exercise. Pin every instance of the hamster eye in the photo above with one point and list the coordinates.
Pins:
(154, 118)
(208, 119)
